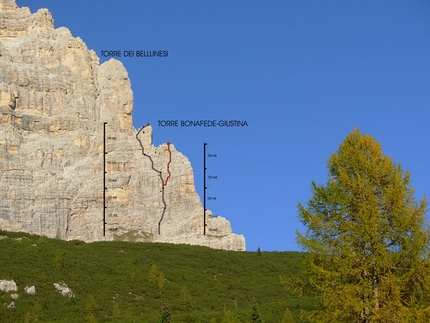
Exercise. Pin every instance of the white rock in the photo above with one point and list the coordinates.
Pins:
(7, 5)
(30, 290)
(64, 289)
(8, 285)
(14, 296)
(11, 305)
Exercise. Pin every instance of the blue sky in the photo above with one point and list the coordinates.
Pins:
(302, 74)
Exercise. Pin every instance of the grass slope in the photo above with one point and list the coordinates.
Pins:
(129, 282)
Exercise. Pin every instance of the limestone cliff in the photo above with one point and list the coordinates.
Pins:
(68, 147)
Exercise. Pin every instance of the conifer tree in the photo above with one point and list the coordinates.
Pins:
(255, 316)
(35, 314)
(156, 276)
(367, 240)
(185, 298)
(58, 261)
(116, 312)
(91, 307)
(288, 317)
(229, 317)
(161, 286)
(165, 314)
(92, 319)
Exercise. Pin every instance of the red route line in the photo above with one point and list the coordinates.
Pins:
(168, 164)
(163, 184)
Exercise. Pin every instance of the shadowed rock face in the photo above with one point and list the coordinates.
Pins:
(54, 100)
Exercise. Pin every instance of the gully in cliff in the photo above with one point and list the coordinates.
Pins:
(163, 182)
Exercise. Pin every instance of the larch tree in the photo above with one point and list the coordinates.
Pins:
(288, 316)
(229, 317)
(367, 240)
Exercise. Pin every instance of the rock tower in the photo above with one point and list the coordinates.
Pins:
(71, 164)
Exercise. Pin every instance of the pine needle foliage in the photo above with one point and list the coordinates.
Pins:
(367, 240)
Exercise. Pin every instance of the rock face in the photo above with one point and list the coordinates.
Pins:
(71, 164)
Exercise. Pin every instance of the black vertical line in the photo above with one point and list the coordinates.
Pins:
(204, 188)
(104, 178)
